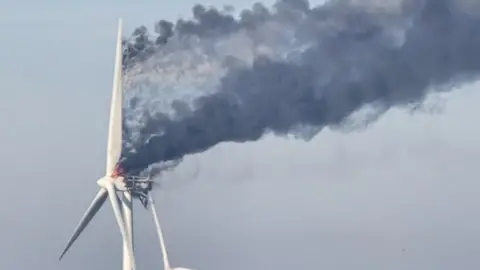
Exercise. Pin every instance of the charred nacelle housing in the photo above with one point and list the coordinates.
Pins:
(139, 187)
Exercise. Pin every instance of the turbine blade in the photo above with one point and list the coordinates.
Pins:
(114, 200)
(114, 147)
(89, 214)
(166, 263)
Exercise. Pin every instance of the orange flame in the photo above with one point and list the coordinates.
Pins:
(117, 172)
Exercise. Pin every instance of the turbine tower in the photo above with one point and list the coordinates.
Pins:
(114, 181)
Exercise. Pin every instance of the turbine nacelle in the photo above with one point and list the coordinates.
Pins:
(139, 187)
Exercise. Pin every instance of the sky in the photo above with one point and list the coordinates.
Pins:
(399, 195)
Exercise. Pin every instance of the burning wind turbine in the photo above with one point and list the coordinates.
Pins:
(114, 180)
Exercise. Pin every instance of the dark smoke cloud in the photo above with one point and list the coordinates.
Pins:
(355, 56)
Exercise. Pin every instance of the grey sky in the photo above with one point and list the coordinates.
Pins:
(400, 195)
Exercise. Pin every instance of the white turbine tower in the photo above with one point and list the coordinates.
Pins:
(113, 181)
(166, 262)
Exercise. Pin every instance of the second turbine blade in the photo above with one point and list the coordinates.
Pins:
(89, 214)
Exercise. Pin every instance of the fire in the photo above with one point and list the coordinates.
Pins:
(117, 172)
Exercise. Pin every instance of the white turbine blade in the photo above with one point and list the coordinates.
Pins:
(89, 214)
(166, 263)
(114, 148)
(114, 200)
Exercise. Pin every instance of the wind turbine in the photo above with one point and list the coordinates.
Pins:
(166, 262)
(113, 181)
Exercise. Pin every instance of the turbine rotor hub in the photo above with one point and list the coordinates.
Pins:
(104, 181)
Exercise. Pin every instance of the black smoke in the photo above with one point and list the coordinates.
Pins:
(357, 56)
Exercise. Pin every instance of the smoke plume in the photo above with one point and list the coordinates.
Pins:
(290, 69)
